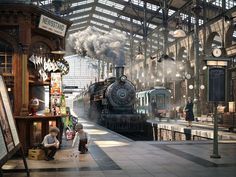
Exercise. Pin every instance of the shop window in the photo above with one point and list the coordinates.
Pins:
(6, 68)
(5, 58)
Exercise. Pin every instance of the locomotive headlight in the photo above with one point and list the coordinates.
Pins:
(123, 78)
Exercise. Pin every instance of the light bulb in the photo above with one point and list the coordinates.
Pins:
(177, 75)
(204, 67)
(202, 87)
(190, 87)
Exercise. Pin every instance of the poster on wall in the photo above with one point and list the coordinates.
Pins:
(56, 84)
(63, 105)
(6, 130)
(55, 104)
(56, 92)
(9, 113)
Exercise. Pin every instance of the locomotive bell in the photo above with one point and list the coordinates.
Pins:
(123, 78)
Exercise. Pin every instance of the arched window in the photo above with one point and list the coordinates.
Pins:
(230, 36)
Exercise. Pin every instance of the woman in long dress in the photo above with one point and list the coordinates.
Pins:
(189, 112)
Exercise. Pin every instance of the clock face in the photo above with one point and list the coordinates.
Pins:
(216, 52)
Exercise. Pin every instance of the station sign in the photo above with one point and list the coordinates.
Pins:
(53, 26)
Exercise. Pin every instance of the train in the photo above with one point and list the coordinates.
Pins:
(160, 95)
(111, 103)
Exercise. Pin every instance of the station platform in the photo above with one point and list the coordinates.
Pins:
(113, 155)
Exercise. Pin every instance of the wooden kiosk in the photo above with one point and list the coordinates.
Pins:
(28, 31)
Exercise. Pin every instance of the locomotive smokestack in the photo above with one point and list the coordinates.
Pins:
(119, 71)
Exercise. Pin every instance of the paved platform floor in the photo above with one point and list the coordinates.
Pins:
(112, 155)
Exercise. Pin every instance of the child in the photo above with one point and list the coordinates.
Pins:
(51, 143)
(82, 137)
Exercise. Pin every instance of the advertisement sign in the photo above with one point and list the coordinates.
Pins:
(52, 25)
(9, 139)
(6, 131)
(56, 93)
(8, 110)
(56, 84)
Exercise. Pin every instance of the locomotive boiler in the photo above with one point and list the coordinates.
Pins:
(111, 103)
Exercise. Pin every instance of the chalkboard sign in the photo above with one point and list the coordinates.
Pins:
(9, 140)
(216, 90)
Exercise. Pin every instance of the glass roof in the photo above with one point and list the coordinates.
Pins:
(128, 15)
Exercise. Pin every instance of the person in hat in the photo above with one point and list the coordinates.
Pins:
(81, 138)
(51, 143)
(189, 116)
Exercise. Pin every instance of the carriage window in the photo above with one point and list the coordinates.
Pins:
(161, 101)
(142, 101)
(148, 99)
(145, 100)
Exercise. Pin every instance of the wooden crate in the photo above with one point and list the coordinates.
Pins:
(36, 154)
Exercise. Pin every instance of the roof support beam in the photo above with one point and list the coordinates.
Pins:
(113, 25)
(117, 19)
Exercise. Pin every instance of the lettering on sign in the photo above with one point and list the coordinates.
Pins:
(52, 26)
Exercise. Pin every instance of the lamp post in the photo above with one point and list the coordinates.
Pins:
(216, 92)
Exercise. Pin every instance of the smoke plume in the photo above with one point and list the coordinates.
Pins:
(95, 44)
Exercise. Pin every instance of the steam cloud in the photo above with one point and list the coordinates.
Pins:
(95, 44)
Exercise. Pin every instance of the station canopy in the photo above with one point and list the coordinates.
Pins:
(128, 16)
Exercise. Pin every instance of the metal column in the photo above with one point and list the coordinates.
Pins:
(165, 36)
(196, 10)
(145, 39)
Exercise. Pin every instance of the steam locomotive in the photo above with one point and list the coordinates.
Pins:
(112, 103)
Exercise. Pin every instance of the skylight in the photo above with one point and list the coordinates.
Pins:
(82, 10)
(79, 23)
(152, 26)
(103, 18)
(111, 4)
(99, 24)
(152, 6)
(81, 3)
(124, 18)
(230, 4)
(101, 30)
(138, 2)
(106, 11)
(79, 17)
